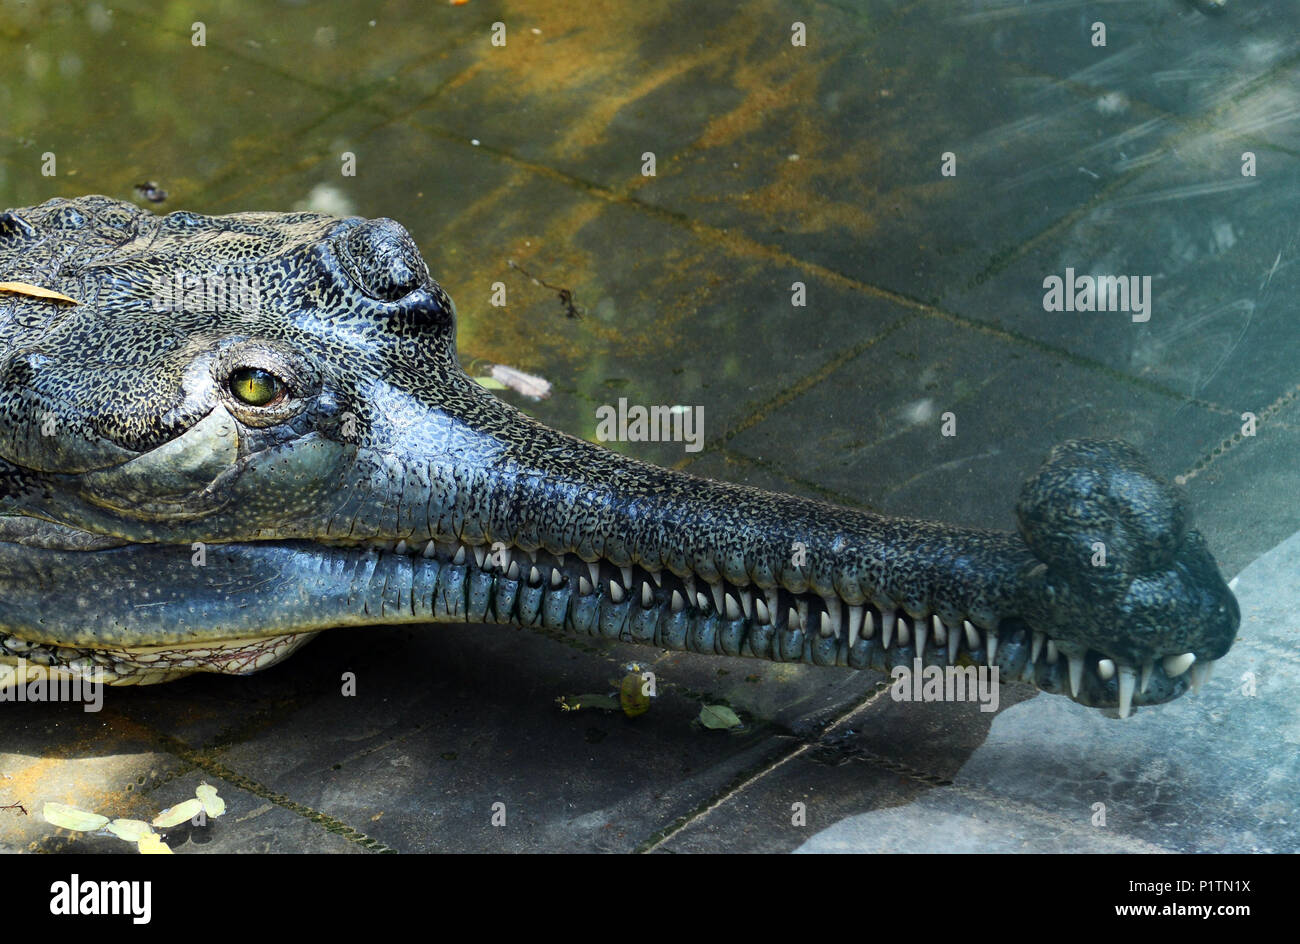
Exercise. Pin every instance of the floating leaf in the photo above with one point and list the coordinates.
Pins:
(152, 844)
(35, 291)
(490, 382)
(132, 830)
(213, 805)
(718, 717)
(69, 817)
(631, 695)
(180, 813)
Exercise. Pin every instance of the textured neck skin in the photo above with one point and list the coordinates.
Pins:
(386, 486)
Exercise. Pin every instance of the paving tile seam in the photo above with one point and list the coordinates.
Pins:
(800, 484)
(259, 182)
(344, 100)
(739, 784)
(1015, 809)
(801, 386)
(208, 764)
(1238, 438)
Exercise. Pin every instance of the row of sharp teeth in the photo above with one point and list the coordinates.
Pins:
(762, 604)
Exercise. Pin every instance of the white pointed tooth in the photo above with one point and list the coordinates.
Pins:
(954, 645)
(627, 576)
(887, 621)
(616, 592)
(532, 555)
(991, 642)
(557, 577)
(773, 601)
(1039, 639)
(701, 600)
(460, 556)
(833, 613)
(972, 635)
(829, 628)
(1147, 668)
(504, 558)
(593, 568)
(940, 630)
(584, 585)
(922, 627)
(430, 549)
(1076, 673)
(869, 624)
(855, 623)
(689, 583)
(803, 615)
(534, 576)
(512, 572)
(904, 631)
(1052, 652)
(480, 555)
(402, 548)
(678, 603)
(1106, 669)
(747, 602)
(792, 619)
(658, 577)
(734, 611)
(647, 595)
(1200, 675)
(716, 590)
(760, 611)
(1127, 682)
(1177, 665)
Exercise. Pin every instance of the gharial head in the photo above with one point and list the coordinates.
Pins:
(248, 428)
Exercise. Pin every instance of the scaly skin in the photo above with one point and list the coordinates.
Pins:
(381, 485)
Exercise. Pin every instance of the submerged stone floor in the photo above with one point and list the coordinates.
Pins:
(774, 164)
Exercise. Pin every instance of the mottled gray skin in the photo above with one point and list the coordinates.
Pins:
(122, 444)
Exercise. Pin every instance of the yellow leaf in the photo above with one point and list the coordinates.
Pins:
(213, 805)
(178, 814)
(152, 844)
(132, 830)
(35, 291)
(69, 817)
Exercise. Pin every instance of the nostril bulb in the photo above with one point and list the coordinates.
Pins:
(383, 260)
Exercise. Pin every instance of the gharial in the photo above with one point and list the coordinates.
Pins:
(187, 487)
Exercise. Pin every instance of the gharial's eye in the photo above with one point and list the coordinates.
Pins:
(257, 387)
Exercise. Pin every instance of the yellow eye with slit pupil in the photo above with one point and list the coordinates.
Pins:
(255, 386)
